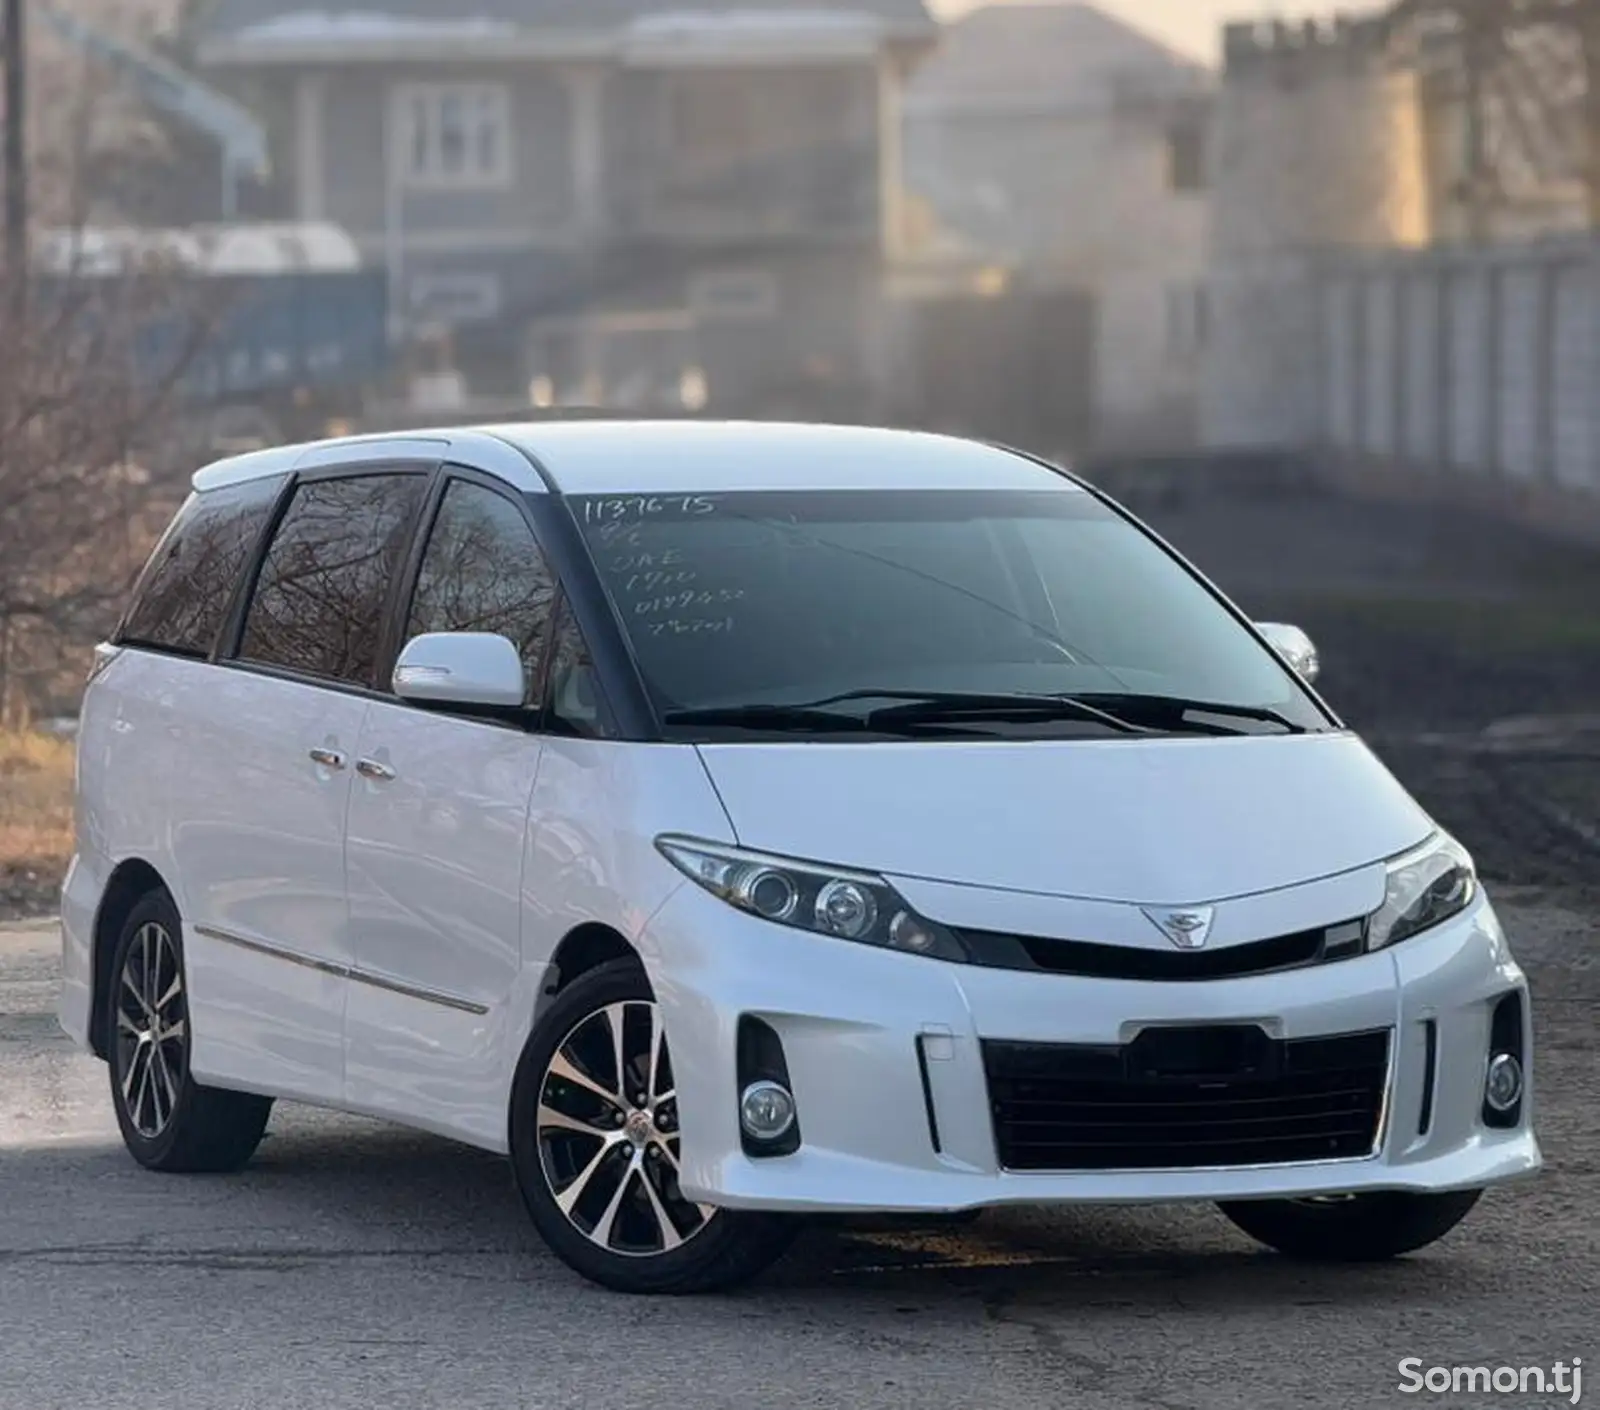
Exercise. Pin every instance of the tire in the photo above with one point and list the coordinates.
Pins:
(610, 1157)
(1356, 1229)
(169, 1122)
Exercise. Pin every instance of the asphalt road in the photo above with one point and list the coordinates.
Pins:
(356, 1265)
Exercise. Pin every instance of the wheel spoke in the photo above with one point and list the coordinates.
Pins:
(670, 1156)
(658, 1037)
(601, 1233)
(168, 1083)
(670, 1237)
(174, 989)
(174, 1032)
(568, 1199)
(150, 951)
(143, 1094)
(563, 1067)
(156, 1083)
(128, 1026)
(129, 1077)
(616, 1016)
(129, 984)
(551, 1119)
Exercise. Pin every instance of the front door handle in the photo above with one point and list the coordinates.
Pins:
(328, 758)
(371, 768)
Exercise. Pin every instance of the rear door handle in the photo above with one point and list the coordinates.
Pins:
(328, 758)
(371, 768)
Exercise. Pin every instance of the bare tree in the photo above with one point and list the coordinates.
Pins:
(1526, 75)
(91, 368)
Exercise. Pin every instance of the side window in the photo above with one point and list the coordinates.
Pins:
(575, 703)
(318, 606)
(483, 571)
(184, 593)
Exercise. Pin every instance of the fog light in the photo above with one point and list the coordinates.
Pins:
(1502, 1087)
(766, 1110)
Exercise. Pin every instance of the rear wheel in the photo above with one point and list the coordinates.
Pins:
(169, 1122)
(1352, 1228)
(596, 1149)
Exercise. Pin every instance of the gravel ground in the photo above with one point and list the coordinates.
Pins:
(354, 1265)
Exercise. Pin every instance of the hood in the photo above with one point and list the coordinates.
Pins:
(1147, 822)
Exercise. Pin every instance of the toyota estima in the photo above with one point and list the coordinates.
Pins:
(739, 823)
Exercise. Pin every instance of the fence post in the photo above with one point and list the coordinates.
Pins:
(1546, 401)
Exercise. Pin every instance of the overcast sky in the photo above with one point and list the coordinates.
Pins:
(1193, 25)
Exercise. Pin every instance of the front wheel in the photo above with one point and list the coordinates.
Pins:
(595, 1148)
(1352, 1228)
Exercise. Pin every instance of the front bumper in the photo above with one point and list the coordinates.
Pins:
(850, 1018)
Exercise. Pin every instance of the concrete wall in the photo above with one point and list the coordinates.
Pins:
(1482, 365)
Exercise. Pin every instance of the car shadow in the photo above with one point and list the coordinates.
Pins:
(326, 1188)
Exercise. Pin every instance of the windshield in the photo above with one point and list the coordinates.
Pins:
(789, 599)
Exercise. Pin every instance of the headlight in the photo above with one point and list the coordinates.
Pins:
(825, 900)
(1426, 886)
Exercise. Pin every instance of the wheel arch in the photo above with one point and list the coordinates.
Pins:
(584, 948)
(130, 882)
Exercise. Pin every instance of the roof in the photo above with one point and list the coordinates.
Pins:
(672, 457)
(1046, 54)
(343, 22)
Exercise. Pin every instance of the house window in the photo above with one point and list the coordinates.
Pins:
(1186, 323)
(464, 296)
(732, 295)
(455, 134)
(1186, 157)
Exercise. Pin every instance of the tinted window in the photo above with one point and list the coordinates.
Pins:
(318, 607)
(483, 572)
(185, 592)
(576, 705)
(780, 598)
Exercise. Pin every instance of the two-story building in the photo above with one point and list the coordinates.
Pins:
(593, 197)
(1065, 142)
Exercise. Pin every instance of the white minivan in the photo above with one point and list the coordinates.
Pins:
(735, 823)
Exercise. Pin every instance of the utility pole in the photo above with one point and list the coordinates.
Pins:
(16, 145)
(1589, 40)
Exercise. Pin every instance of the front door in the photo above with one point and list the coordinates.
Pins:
(260, 797)
(436, 840)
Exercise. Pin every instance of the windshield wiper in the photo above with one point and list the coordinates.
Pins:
(927, 707)
(920, 707)
(805, 717)
(1174, 710)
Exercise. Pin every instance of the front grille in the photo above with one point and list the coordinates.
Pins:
(1186, 1098)
(1093, 960)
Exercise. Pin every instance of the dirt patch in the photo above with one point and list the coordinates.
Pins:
(36, 773)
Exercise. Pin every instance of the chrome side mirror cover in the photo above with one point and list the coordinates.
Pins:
(460, 668)
(1298, 651)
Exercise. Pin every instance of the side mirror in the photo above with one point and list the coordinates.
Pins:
(1295, 647)
(460, 668)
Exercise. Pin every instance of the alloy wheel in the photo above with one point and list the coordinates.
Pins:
(152, 1030)
(609, 1142)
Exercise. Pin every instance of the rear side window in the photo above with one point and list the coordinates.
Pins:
(319, 602)
(183, 596)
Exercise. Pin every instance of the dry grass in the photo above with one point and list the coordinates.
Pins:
(35, 801)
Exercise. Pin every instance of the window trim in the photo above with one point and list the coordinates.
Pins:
(526, 718)
(231, 639)
(404, 101)
(609, 728)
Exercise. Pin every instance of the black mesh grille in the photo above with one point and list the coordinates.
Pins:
(1178, 1098)
(1092, 960)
